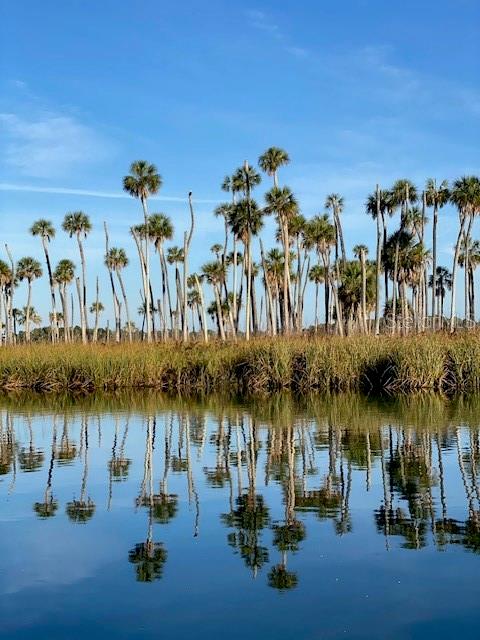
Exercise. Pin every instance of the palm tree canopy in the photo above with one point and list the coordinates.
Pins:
(402, 191)
(436, 196)
(28, 269)
(214, 272)
(386, 205)
(273, 158)
(143, 180)
(160, 228)
(465, 194)
(282, 202)
(116, 259)
(320, 233)
(358, 249)
(64, 271)
(245, 177)
(317, 274)
(245, 218)
(77, 222)
(6, 275)
(174, 254)
(43, 228)
(334, 202)
(96, 307)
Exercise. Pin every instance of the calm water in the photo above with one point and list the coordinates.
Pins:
(140, 517)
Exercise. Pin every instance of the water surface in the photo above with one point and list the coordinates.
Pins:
(143, 517)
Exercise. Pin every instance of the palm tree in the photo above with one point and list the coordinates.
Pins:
(361, 251)
(320, 234)
(316, 275)
(63, 275)
(97, 308)
(270, 161)
(116, 260)
(175, 256)
(142, 182)
(161, 229)
(78, 223)
(214, 272)
(283, 204)
(470, 252)
(334, 203)
(28, 269)
(436, 197)
(465, 195)
(46, 231)
(117, 305)
(7, 282)
(245, 221)
(443, 283)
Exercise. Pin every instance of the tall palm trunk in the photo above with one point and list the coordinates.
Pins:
(54, 324)
(454, 272)
(186, 248)
(27, 311)
(204, 312)
(249, 287)
(378, 265)
(286, 273)
(64, 298)
(116, 302)
(146, 275)
(97, 311)
(364, 292)
(83, 297)
(125, 300)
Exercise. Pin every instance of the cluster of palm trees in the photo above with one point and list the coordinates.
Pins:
(308, 251)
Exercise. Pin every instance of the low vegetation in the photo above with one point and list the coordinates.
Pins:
(393, 364)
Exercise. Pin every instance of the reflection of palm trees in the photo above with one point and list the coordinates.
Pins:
(49, 506)
(31, 458)
(149, 556)
(287, 536)
(251, 514)
(82, 510)
(67, 451)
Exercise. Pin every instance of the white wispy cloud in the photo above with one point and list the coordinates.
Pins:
(6, 186)
(263, 22)
(49, 144)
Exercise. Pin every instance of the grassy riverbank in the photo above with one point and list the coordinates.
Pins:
(439, 363)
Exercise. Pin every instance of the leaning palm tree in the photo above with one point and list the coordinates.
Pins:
(116, 260)
(63, 275)
(465, 195)
(77, 223)
(28, 269)
(436, 197)
(270, 161)
(142, 182)
(46, 231)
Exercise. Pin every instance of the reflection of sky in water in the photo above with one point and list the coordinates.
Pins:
(306, 521)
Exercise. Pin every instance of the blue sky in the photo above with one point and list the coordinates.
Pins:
(358, 92)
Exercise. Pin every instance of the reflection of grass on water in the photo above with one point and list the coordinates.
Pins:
(352, 410)
(262, 366)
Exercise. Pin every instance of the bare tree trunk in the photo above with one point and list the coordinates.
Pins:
(97, 313)
(146, 280)
(83, 297)
(378, 265)
(116, 302)
(454, 273)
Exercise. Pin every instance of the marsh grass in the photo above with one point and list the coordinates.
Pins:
(262, 366)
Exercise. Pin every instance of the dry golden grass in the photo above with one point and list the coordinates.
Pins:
(435, 362)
